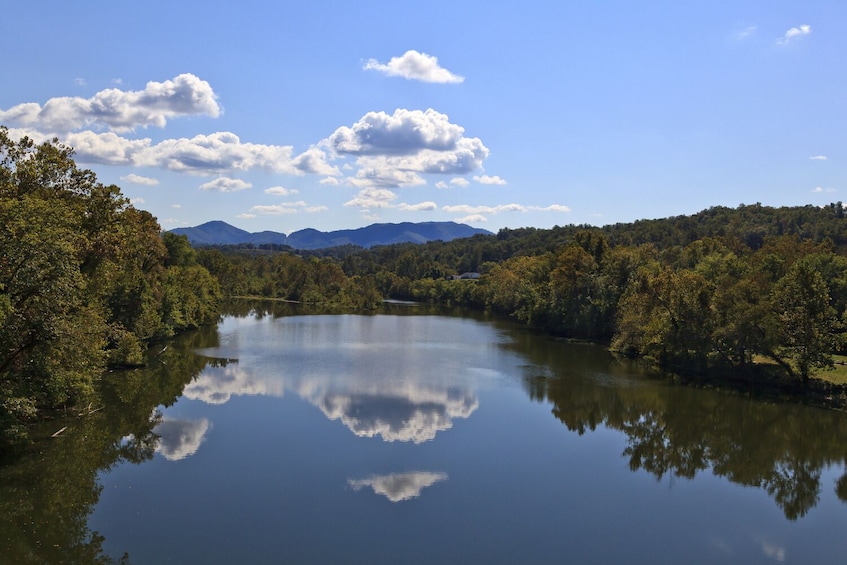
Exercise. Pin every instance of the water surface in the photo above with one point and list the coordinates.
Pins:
(431, 439)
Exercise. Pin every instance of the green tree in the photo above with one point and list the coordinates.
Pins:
(807, 323)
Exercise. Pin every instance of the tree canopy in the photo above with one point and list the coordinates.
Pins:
(85, 280)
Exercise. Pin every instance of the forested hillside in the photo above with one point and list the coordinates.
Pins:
(716, 290)
(86, 280)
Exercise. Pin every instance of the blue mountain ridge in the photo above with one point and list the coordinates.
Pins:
(221, 233)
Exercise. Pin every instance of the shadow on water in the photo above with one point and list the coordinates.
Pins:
(48, 491)
(679, 431)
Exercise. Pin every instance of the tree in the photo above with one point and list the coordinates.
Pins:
(83, 281)
(807, 323)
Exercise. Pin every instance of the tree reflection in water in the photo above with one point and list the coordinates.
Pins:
(680, 431)
(48, 492)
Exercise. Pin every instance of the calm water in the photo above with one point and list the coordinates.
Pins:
(410, 438)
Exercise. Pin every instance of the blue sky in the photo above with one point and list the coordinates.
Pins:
(333, 115)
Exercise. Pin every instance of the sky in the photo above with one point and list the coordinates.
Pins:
(336, 115)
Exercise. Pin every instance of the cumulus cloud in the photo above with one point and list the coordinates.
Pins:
(281, 191)
(397, 487)
(393, 150)
(441, 184)
(403, 133)
(485, 179)
(413, 65)
(380, 150)
(138, 179)
(202, 154)
(314, 161)
(794, 33)
(422, 207)
(217, 152)
(136, 201)
(117, 110)
(372, 198)
(818, 158)
(315, 209)
(180, 438)
(224, 184)
(820, 189)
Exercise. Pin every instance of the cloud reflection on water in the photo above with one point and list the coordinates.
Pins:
(398, 487)
(180, 438)
(402, 409)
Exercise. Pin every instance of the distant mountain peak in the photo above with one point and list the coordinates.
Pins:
(218, 232)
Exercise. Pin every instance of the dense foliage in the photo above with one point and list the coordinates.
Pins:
(85, 280)
(716, 290)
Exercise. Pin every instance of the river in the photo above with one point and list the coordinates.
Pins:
(407, 436)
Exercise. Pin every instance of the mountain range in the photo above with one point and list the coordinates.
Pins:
(221, 233)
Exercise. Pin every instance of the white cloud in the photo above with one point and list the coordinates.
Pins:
(217, 152)
(136, 201)
(422, 207)
(372, 198)
(818, 158)
(138, 179)
(246, 216)
(202, 154)
(170, 221)
(332, 181)
(472, 219)
(460, 181)
(413, 65)
(118, 110)
(281, 191)
(176, 205)
(314, 161)
(394, 150)
(551, 208)
(467, 209)
(107, 148)
(223, 184)
(404, 133)
(180, 438)
(485, 179)
(277, 209)
(794, 33)
(820, 189)
(746, 32)
(441, 184)
(397, 487)
(314, 209)
(80, 81)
